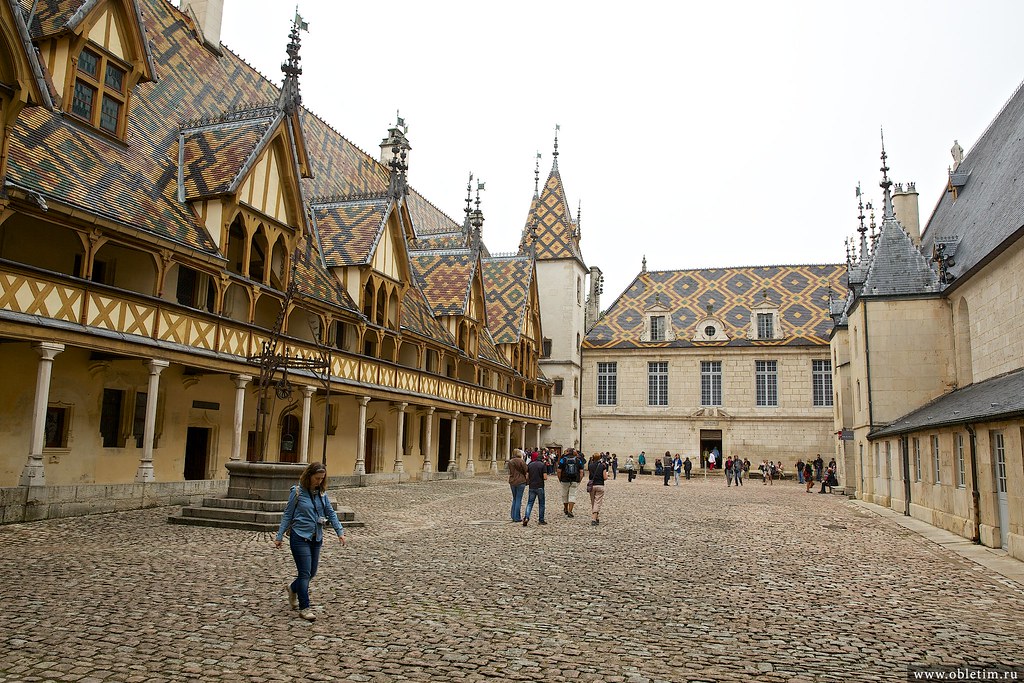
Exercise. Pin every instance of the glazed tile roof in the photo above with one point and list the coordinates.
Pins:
(350, 229)
(557, 234)
(488, 351)
(446, 240)
(507, 284)
(989, 207)
(214, 157)
(317, 283)
(427, 218)
(800, 292)
(445, 278)
(418, 318)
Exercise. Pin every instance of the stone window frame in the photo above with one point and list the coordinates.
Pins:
(766, 383)
(753, 331)
(701, 332)
(67, 411)
(657, 310)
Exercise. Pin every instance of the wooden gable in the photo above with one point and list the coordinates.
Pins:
(271, 186)
(390, 255)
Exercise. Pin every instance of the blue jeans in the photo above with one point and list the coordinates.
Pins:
(535, 494)
(517, 502)
(307, 557)
(800, 476)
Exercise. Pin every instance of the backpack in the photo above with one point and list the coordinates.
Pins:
(571, 469)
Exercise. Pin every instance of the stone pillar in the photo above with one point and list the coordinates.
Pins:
(538, 437)
(494, 446)
(522, 437)
(361, 437)
(236, 436)
(453, 466)
(508, 439)
(428, 466)
(33, 474)
(145, 472)
(399, 465)
(470, 465)
(307, 395)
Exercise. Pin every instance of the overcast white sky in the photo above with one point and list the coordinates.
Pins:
(700, 134)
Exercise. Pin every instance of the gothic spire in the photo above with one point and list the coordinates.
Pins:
(554, 164)
(469, 204)
(536, 177)
(290, 97)
(886, 184)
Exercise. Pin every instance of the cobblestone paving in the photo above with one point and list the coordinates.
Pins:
(695, 583)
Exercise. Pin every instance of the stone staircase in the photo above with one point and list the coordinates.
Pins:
(248, 515)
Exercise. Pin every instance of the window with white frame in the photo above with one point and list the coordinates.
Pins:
(765, 326)
(936, 463)
(821, 382)
(766, 374)
(888, 460)
(917, 459)
(657, 383)
(607, 384)
(961, 466)
(657, 328)
(999, 460)
(711, 382)
(878, 459)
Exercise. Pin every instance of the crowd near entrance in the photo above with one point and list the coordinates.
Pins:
(710, 439)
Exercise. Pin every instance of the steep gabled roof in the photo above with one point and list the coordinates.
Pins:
(419, 319)
(349, 229)
(216, 155)
(507, 282)
(989, 207)
(897, 268)
(800, 292)
(557, 234)
(446, 278)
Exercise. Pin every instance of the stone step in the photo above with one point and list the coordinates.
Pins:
(243, 524)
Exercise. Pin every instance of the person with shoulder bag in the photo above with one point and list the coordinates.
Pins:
(595, 486)
(308, 511)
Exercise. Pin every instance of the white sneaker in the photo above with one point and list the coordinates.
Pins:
(293, 598)
(308, 614)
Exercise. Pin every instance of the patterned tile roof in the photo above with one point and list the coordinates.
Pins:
(418, 318)
(800, 292)
(435, 241)
(349, 230)
(315, 282)
(214, 156)
(507, 287)
(557, 234)
(427, 218)
(488, 351)
(445, 278)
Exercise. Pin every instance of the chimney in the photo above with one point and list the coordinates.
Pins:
(207, 15)
(904, 202)
(593, 311)
(396, 138)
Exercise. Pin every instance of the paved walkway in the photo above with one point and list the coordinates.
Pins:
(695, 583)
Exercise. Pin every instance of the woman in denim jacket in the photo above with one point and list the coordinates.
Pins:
(308, 510)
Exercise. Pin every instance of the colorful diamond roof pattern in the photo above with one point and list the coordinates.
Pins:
(349, 230)
(507, 282)
(557, 235)
(445, 278)
(214, 157)
(799, 292)
(418, 318)
(447, 240)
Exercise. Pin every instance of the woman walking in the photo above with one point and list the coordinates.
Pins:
(595, 486)
(308, 510)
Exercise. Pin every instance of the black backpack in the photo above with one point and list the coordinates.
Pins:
(571, 470)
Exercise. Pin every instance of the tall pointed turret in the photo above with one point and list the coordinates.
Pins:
(557, 234)
(290, 98)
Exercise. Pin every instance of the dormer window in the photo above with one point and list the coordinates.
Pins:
(657, 328)
(657, 323)
(765, 326)
(100, 96)
(710, 329)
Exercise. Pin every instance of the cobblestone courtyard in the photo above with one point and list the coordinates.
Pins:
(698, 582)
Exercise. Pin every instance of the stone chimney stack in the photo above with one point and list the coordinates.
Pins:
(904, 202)
(593, 310)
(396, 138)
(207, 15)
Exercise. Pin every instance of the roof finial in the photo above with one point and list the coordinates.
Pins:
(536, 177)
(579, 212)
(477, 217)
(861, 228)
(469, 202)
(864, 233)
(290, 97)
(643, 264)
(887, 210)
(554, 164)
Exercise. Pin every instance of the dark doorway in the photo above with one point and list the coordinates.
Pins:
(197, 442)
(289, 439)
(368, 459)
(710, 439)
(444, 444)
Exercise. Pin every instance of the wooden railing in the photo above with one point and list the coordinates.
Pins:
(31, 291)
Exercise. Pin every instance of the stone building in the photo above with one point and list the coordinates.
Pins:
(167, 214)
(734, 358)
(931, 341)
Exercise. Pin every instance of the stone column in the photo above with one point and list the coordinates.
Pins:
(399, 465)
(453, 466)
(361, 434)
(307, 395)
(428, 466)
(538, 437)
(145, 472)
(236, 436)
(470, 465)
(33, 474)
(522, 437)
(508, 439)
(494, 446)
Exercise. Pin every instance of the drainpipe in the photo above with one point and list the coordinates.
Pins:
(975, 496)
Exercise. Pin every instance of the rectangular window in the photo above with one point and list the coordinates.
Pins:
(821, 372)
(936, 463)
(83, 100)
(999, 460)
(110, 418)
(765, 326)
(114, 78)
(917, 459)
(888, 460)
(546, 348)
(423, 434)
(110, 114)
(657, 383)
(961, 466)
(607, 384)
(766, 374)
(558, 387)
(657, 328)
(711, 382)
(878, 459)
(57, 424)
(139, 419)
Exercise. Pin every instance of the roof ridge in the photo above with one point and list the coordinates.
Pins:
(233, 115)
(776, 265)
(337, 199)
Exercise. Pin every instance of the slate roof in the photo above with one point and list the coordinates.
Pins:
(897, 267)
(557, 233)
(508, 281)
(989, 208)
(445, 278)
(998, 398)
(349, 230)
(800, 292)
